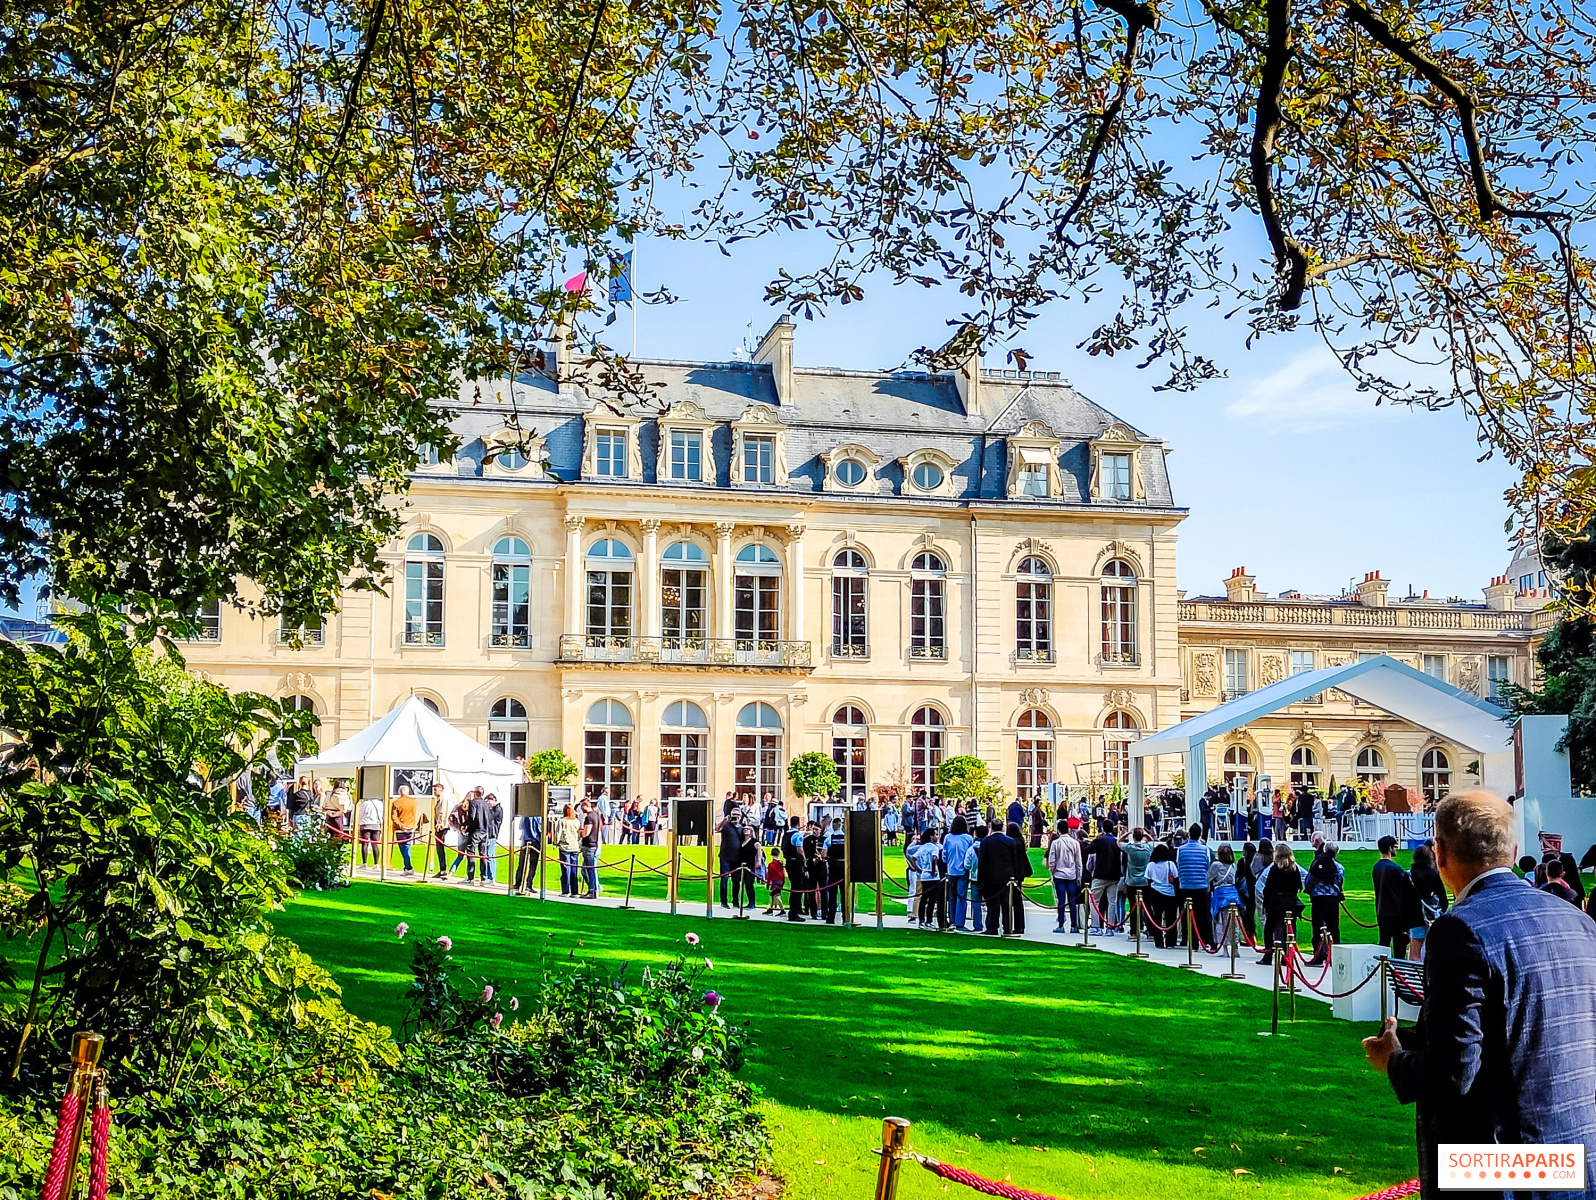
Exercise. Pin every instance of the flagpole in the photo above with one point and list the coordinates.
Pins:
(633, 282)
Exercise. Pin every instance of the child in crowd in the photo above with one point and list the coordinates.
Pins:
(775, 881)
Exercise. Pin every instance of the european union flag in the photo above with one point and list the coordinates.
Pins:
(620, 283)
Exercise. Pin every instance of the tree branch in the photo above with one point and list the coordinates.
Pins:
(570, 109)
(1290, 258)
(368, 49)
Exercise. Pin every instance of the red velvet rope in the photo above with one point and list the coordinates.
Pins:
(1410, 1188)
(98, 1147)
(55, 1180)
(974, 1182)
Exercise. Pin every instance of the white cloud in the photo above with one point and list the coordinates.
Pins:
(1312, 391)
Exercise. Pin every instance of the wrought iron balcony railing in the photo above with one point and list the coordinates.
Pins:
(740, 652)
(502, 640)
(423, 637)
(938, 652)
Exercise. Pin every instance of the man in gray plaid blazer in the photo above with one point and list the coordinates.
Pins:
(1504, 1050)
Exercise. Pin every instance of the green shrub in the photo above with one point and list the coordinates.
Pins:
(314, 856)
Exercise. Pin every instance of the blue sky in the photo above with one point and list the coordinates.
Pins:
(1286, 468)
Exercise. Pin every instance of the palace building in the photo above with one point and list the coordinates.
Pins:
(888, 567)
(891, 568)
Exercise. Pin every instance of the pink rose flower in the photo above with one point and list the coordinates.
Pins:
(514, 1004)
(496, 1020)
(709, 965)
(447, 943)
(692, 939)
(487, 994)
(400, 930)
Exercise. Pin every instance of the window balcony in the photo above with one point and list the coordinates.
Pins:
(301, 637)
(1119, 658)
(510, 641)
(423, 637)
(850, 650)
(936, 653)
(680, 651)
(1034, 654)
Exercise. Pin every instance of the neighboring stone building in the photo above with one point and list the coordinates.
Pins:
(891, 568)
(1246, 639)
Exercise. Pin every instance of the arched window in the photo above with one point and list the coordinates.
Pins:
(926, 748)
(1119, 612)
(609, 595)
(1035, 761)
(1033, 612)
(927, 476)
(683, 603)
(1119, 731)
(1435, 774)
(287, 751)
(851, 472)
(1305, 766)
(1238, 768)
(850, 575)
(756, 763)
(683, 745)
(1371, 764)
(431, 704)
(606, 750)
(424, 591)
(507, 727)
(928, 607)
(512, 593)
(848, 742)
(756, 589)
(511, 458)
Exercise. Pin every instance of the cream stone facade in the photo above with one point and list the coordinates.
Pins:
(1244, 640)
(891, 568)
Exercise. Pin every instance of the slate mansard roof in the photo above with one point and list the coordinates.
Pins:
(892, 414)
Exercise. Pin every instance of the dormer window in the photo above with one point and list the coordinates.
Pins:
(512, 452)
(611, 451)
(759, 452)
(1033, 463)
(684, 444)
(851, 468)
(927, 472)
(609, 457)
(1116, 465)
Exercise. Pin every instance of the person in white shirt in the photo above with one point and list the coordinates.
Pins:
(1064, 865)
(368, 820)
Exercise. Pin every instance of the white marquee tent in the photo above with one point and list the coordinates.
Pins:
(1381, 681)
(413, 737)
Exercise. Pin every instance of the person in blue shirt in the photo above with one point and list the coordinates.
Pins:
(926, 858)
(1191, 864)
(955, 850)
(1326, 880)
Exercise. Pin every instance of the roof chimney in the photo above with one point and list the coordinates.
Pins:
(775, 348)
(961, 356)
(1502, 594)
(1239, 587)
(1373, 591)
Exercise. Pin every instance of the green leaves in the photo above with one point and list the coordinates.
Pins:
(813, 774)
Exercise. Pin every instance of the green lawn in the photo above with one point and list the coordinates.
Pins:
(648, 876)
(1070, 1072)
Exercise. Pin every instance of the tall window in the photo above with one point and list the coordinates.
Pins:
(1238, 764)
(209, 622)
(683, 743)
(1235, 674)
(1498, 670)
(759, 459)
(756, 761)
(609, 453)
(1033, 479)
(609, 593)
(1035, 762)
(287, 751)
(424, 591)
(1435, 774)
(1116, 480)
(926, 748)
(687, 455)
(684, 570)
(311, 633)
(848, 735)
(928, 607)
(1371, 764)
(512, 593)
(606, 750)
(756, 589)
(849, 576)
(1305, 766)
(507, 727)
(1119, 610)
(1301, 664)
(1435, 666)
(1033, 611)
(1119, 731)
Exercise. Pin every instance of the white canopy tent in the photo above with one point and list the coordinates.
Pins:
(414, 737)
(1382, 681)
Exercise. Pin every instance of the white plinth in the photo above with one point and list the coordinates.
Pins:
(1349, 963)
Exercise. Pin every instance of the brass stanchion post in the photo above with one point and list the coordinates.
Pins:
(1235, 936)
(1136, 923)
(1191, 940)
(1086, 925)
(894, 1145)
(86, 1049)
